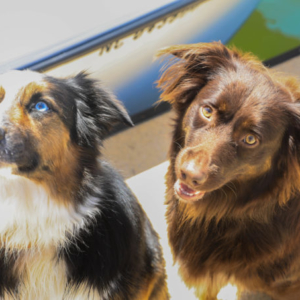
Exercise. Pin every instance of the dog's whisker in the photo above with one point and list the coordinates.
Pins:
(224, 193)
(178, 145)
(233, 189)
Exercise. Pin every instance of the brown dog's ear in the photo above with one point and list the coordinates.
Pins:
(190, 69)
(293, 119)
(206, 53)
(292, 105)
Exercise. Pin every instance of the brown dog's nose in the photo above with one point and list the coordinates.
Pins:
(192, 174)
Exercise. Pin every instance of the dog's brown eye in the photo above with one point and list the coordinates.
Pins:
(250, 139)
(206, 112)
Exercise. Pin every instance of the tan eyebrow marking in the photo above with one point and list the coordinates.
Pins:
(29, 90)
(2, 93)
(33, 88)
(223, 106)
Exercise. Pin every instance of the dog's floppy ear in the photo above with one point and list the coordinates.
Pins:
(293, 119)
(292, 105)
(97, 110)
(291, 109)
(190, 69)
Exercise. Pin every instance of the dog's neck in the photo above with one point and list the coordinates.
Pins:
(30, 218)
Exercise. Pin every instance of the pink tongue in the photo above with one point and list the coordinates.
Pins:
(186, 193)
(187, 189)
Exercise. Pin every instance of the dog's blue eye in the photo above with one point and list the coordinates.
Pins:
(41, 106)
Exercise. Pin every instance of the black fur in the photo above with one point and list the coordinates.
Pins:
(8, 280)
(95, 112)
(119, 248)
(116, 253)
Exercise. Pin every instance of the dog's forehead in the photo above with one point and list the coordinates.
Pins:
(248, 101)
(12, 82)
(16, 86)
(233, 90)
(20, 78)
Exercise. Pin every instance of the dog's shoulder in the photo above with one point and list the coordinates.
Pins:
(118, 236)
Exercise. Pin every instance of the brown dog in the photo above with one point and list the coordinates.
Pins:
(233, 185)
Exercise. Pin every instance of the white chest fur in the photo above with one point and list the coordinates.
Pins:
(29, 217)
(33, 225)
(43, 277)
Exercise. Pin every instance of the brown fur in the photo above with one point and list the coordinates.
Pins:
(246, 226)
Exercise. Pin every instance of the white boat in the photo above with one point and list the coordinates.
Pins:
(114, 40)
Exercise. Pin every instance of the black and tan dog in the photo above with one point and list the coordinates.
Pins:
(233, 185)
(69, 226)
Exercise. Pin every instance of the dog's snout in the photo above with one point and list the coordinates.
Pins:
(192, 173)
(2, 134)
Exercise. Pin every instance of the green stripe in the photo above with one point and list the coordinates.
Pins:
(254, 36)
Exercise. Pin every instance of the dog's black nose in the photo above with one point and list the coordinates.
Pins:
(2, 134)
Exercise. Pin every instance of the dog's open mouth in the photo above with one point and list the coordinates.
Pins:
(186, 193)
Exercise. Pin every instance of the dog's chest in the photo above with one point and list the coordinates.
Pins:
(29, 217)
(223, 243)
(35, 226)
(40, 274)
